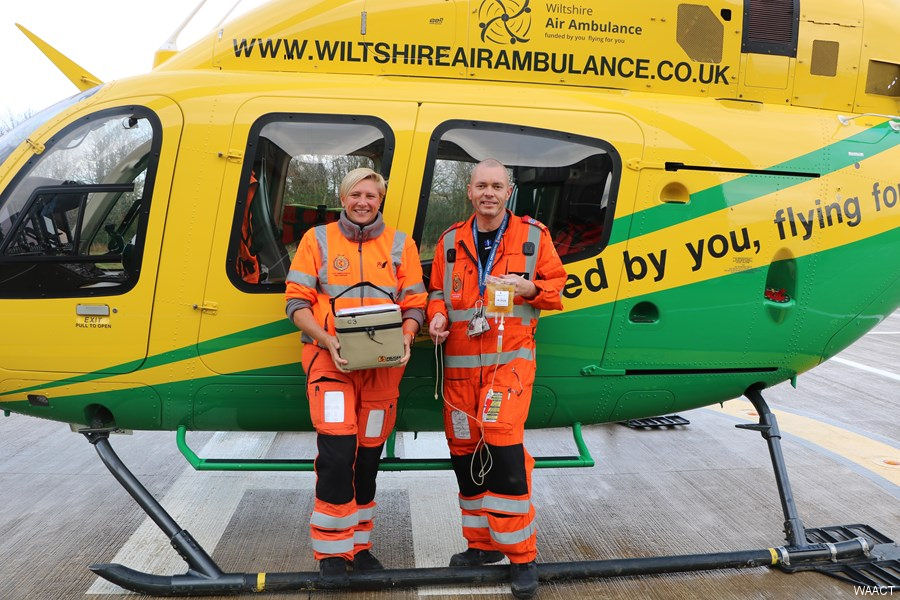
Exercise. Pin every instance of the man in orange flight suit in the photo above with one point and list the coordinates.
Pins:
(487, 393)
(353, 412)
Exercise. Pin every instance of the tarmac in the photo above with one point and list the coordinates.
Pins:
(702, 487)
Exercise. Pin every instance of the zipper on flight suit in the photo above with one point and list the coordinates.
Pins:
(361, 278)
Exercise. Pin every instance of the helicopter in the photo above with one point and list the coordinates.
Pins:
(719, 180)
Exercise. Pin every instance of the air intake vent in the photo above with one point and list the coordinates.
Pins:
(770, 27)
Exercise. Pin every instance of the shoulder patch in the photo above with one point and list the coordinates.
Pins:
(535, 222)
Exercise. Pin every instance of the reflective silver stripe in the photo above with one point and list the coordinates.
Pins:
(449, 242)
(301, 278)
(329, 522)
(526, 312)
(365, 514)
(534, 236)
(419, 288)
(322, 240)
(518, 507)
(436, 295)
(456, 316)
(306, 339)
(471, 504)
(397, 248)
(512, 537)
(486, 360)
(333, 547)
(473, 521)
(361, 537)
(365, 292)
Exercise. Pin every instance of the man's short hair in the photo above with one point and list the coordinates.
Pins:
(356, 175)
(490, 163)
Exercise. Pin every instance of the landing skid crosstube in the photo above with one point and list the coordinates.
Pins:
(853, 553)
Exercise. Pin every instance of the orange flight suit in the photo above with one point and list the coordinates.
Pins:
(497, 513)
(354, 412)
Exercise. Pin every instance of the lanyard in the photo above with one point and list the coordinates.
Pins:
(484, 270)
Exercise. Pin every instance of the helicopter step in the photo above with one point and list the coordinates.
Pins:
(853, 553)
(389, 463)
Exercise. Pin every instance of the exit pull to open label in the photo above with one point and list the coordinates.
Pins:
(92, 322)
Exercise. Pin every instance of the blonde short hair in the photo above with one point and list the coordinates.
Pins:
(356, 175)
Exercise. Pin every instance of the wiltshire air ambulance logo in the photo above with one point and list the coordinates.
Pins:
(504, 21)
(341, 263)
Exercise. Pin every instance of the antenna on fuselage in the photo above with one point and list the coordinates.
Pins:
(169, 48)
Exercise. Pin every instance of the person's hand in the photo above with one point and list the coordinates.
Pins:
(524, 287)
(334, 347)
(407, 343)
(437, 328)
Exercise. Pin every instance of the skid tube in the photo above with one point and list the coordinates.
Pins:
(236, 583)
(204, 577)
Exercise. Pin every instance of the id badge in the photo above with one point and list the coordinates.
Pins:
(492, 407)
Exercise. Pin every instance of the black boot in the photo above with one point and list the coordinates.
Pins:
(473, 557)
(523, 579)
(333, 572)
(366, 561)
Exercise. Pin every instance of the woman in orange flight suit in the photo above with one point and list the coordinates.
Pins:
(353, 411)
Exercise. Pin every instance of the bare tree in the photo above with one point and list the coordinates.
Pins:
(12, 119)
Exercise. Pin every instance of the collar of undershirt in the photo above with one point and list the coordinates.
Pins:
(356, 233)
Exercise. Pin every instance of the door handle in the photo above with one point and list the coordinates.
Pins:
(92, 310)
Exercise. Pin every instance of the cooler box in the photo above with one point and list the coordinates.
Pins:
(370, 336)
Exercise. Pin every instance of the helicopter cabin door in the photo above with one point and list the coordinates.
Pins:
(80, 232)
(566, 167)
(293, 154)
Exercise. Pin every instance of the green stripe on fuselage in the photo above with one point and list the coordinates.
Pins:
(824, 161)
(225, 342)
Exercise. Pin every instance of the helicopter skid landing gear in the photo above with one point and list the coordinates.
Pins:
(879, 567)
(203, 573)
(205, 578)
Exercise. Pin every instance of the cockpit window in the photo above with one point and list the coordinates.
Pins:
(18, 134)
(72, 222)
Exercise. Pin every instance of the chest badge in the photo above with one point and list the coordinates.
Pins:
(457, 282)
(341, 262)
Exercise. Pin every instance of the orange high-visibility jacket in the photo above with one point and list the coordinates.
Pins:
(525, 249)
(331, 258)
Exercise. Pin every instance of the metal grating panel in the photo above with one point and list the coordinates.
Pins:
(656, 422)
(824, 58)
(700, 33)
(883, 78)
